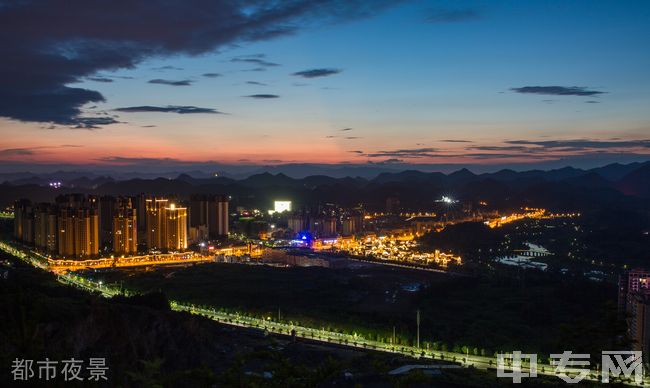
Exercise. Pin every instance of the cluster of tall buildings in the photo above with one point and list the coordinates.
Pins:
(67, 228)
(208, 217)
(80, 226)
(322, 225)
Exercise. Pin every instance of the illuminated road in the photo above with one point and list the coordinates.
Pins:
(312, 334)
(125, 262)
(64, 265)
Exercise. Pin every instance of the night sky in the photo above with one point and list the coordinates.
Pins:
(255, 82)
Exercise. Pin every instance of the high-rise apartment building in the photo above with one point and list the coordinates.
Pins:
(199, 210)
(166, 225)
(125, 228)
(634, 302)
(24, 221)
(351, 225)
(297, 223)
(106, 210)
(78, 233)
(222, 216)
(156, 214)
(175, 238)
(45, 228)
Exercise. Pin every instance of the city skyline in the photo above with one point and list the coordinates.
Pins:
(314, 193)
(350, 83)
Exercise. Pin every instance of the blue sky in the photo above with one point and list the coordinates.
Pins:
(410, 77)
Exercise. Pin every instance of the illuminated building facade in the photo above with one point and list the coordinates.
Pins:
(175, 231)
(166, 225)
(156, 211)
(78, 232)
(125, 229)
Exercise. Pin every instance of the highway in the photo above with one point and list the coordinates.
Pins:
(283, 328)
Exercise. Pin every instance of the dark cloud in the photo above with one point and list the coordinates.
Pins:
(330, 137)
(592, 102)
(346, 129)
(352, 137)
(455, 141)
(55, 43)
(17, 151)
(100, 79)
(263, 96)
(256, 60)
(451, 15)
(405, 153)
(314, 73)
(356, 152)
(557, 90)
(505, 156)
(32, 150)
(140, 161)
(93, 122)
(167, 109)
(256, 83)
(184, 82)
(161, 68)
(582, 144)
(211, 75)
(391, 161)
(499, 148)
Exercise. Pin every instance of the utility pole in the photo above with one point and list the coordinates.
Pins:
(418, 322)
